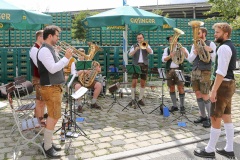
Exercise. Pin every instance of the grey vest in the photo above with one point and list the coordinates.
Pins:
(135, 57)
(46, 78)
(198, 64)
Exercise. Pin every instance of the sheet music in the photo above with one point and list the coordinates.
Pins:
(161, 72)
(180, 75)
(79, 93)
(73, 77)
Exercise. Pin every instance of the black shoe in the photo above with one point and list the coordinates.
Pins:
(51, 153)
(182, 109)
(56, 148)
(96, 106)
(202, 153)
(80, 109)
(45, 115)
(207, 123)
(224, 153)
(131, 103)
(200, 119)
(173, 108)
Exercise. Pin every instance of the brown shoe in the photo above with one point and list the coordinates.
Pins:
(131, 103)
(96, 106)
(141, 102)
(80, 109)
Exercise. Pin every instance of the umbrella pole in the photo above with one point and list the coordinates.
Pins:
(125, 54)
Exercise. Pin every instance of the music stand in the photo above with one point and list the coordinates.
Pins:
(68, 100)
(181, 78)
(162, 76)
(76, 95)
(115, 101)
(83, 65)
(133, 69)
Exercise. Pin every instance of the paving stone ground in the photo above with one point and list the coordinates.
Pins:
(117, 131)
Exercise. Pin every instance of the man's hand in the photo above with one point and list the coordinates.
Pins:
(172, 54)
(68, 53)
(137, 48)
(213, 95)
(207, 48)
(195, 52)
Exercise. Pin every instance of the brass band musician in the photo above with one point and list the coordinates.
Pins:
(139, 54)
(97, 86)
(171, 75)
(221, 94)
(50, 69)
(201, 73)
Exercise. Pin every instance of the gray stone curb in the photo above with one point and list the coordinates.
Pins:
(159, 147)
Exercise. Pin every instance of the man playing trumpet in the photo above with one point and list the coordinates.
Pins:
(201, 73)
(171, 66)
(140, 57)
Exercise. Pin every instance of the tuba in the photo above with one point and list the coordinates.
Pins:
(179, 55)
(93, 49)
(198, 42)
(87, 80)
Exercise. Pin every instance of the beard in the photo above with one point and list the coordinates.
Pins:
(219, 39)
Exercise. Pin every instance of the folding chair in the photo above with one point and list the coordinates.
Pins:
(29, 128)
(23, 88)
(26, 108)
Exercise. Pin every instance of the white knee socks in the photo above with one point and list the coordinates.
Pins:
(229, 136)
(214, 135)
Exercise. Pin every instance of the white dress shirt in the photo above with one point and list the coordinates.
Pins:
(73, 68)
(33, 55)
(46, 57)
(165, 54)
(140, 60)
(192, 56)
(224, 56)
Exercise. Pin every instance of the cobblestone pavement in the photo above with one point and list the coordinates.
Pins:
(120, 133)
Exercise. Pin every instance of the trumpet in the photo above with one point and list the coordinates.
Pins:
(143, 45)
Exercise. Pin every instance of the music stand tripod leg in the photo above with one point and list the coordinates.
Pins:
(138, 105)
(183, 114)
(135, 102)
(162, 104)
(115, 101)
(82, 133)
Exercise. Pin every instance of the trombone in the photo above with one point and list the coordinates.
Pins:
(64, 46)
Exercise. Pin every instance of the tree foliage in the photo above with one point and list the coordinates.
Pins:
(78, 31)
(159, 12)
(229, 11)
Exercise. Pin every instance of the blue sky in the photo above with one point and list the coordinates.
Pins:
(77, 5)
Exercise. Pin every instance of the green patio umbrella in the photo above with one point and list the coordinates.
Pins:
(127, 17)
(17, 18)
(136, 19)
